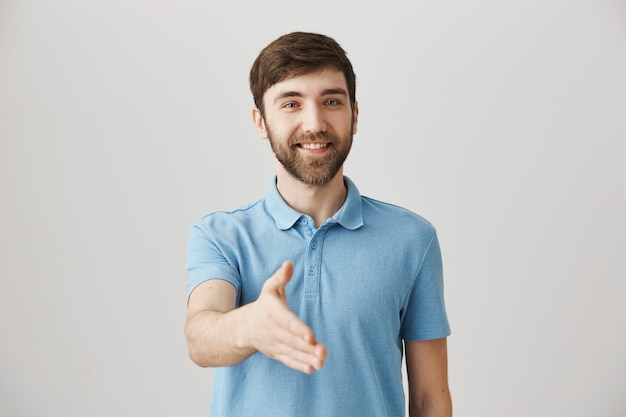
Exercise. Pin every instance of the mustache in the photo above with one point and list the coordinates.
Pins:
(313, 137)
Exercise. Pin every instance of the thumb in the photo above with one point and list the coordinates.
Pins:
(276, 283)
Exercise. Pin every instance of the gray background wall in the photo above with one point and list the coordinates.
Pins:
(123, 121)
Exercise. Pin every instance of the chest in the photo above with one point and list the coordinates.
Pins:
(341, 277)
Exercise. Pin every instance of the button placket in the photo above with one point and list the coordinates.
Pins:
(313, 264)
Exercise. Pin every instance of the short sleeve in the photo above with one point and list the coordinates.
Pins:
(425, 317)
(206, 261)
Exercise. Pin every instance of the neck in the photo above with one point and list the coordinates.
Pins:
(318, 201)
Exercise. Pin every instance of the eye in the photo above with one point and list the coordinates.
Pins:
(290, 105)
(332, 102)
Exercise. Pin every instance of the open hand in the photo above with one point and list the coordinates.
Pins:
(277, 332)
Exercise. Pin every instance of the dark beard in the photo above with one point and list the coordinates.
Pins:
(314, 171)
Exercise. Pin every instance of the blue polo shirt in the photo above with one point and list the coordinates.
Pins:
(365, 280)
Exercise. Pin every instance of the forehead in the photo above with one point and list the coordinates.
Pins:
(313, 83)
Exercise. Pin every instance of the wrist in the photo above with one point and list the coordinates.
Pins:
(240, 331)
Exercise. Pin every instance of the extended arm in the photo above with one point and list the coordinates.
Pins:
(427, 370)
(218, 334)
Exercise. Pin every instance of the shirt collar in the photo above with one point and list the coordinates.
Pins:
(350, 215)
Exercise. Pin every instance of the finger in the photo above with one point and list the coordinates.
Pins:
(294, 364)
(321, 353)
(306, 364)
(291, 341)
(277, 282)
(281, 338)
(272, 321)
(297, 330)
(314, 355)
(305, 360)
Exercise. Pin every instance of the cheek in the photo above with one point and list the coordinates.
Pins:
(343, 122)
(282, 130)
(280, 127)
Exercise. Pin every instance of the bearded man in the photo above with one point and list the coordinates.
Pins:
(306, 300)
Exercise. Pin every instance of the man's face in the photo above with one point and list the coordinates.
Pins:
(309, 123)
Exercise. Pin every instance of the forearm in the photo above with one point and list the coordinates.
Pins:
(427, 368)
(214, 338)
(219, 334)
(441, 406)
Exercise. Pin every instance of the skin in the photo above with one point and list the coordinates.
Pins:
(309, 121)
(295, 110)
(218, 334)
(427, 370)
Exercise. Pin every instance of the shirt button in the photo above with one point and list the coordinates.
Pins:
(311, 270)
(314, 245)
(304, 221)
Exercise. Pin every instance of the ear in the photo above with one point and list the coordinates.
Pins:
(259, 123)
(355, 117)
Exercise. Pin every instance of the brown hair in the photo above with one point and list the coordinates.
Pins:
(295, 54)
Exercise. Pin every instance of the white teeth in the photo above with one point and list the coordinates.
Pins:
(313, 145)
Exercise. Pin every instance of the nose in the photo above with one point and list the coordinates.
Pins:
(313, 120)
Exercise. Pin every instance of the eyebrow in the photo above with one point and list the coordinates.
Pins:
(335, 91)
(327, 92)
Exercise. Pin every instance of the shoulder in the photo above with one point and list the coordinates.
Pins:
(222, 224)
(241, 214)
(395, 217)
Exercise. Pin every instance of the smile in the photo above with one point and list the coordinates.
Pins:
(313, 145)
